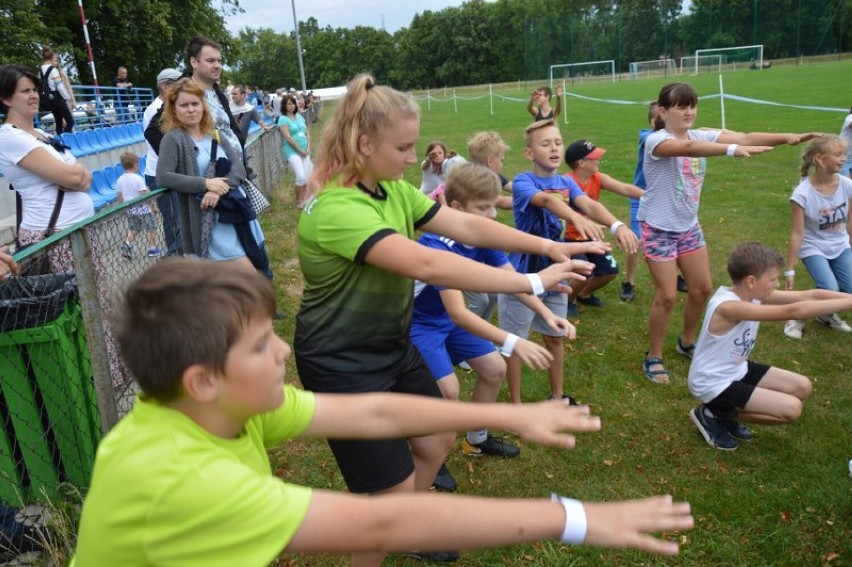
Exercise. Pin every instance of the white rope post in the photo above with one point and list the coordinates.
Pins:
(455, 102)
(722, 99)
(564, 102)
(491, 98)
(428, 100)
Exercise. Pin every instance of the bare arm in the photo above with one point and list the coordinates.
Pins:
(621, 188)
(796, 232)
(785, 305)
(627, 241)
(398, 522)
(558, 109)
(530, 353)
(556, 205)
(69, 176)
(7, 264)
(486, 233)
(765, 138)
(673, 147)
(400, 255)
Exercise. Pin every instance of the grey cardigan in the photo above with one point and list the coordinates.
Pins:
(177, 169)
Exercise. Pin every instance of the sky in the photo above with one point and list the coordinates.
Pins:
(278, 14)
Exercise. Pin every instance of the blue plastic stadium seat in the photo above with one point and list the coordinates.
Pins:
(111, 177)
(84, 143)
(138, 132)
(102, 138)
(100, 192)
(70, 140)
(143, 160)
(92, 139)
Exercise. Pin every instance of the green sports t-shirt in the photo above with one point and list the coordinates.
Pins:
(352, 330)
(167, 492)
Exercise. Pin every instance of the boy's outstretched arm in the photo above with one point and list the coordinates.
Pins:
(625, 237)
(530, 353)
(557, 205)
(786, 305)
(621, 188)
(387, 416)
(339, 523)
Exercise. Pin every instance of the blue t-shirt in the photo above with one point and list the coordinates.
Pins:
(428, 307)
(639, 176)
(537, 220)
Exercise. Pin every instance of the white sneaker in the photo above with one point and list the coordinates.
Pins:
(834, 322)
(793, 329)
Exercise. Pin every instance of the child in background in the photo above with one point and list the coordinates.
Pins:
(140, 218)
(446, 332)
(542, 199)
(731, 387)
(539, 104)
(822, 226)
(846, 134)
(185, 477)
(453, 159)
(488, 149)
(433, 166)
(583, 157)
(675, 163)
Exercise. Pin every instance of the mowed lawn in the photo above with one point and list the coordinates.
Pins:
(785, 498)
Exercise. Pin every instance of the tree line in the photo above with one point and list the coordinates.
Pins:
(474, 43)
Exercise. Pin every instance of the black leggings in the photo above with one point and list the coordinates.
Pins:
(62, 117)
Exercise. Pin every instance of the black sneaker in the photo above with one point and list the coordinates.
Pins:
(681, 284)
(434, 556)
(491, 446)
(712, 429)
(572, 310)
(444, 481)
(685, 350)
(628, 291)
(593, 300)
(571, 400)
(738, 430)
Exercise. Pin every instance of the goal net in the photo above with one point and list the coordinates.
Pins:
(734, 58)
(701, 64)
(586, 70)
(654, 68)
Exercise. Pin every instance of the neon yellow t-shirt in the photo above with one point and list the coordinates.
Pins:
(167, 492)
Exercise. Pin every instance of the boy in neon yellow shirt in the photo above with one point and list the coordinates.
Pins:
(184, 478)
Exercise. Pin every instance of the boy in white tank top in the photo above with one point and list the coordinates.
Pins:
(731, 387)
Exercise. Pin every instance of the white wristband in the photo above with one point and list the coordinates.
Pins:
(732, 149)
(535, 283)
(615, 226)
(789, 273)
(509, 345)
(575, 520)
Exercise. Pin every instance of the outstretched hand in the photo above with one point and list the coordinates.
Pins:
(563, 249)
(535, 356)
(627, 240)
(799, 138)
(748, 151)
(546, 423)
(628, 524)
(553, 276)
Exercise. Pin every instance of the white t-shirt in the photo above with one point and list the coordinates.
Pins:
(55, 80)
(674, 184)
(151, 160)
(131, 185)
(825, 218)
(37, 193)
(846, 134)
(721, 360)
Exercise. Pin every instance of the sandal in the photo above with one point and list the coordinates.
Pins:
(653, 375)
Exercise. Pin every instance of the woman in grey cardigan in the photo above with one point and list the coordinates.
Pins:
(185, 152)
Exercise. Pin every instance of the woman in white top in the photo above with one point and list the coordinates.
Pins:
(38, 166)
(61, 110)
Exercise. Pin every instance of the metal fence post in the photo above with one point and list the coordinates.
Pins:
(92, 317)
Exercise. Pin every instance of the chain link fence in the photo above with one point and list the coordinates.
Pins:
(63, 383)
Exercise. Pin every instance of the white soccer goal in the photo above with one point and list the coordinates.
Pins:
(597, 69)
(653, 68)
(743, 56)
(706, 63)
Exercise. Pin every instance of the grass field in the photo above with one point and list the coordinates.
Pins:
(784, 499)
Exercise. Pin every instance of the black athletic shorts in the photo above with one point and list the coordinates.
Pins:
(735, 397)
(372, 466)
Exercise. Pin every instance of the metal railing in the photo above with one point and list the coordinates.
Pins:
(62, 381)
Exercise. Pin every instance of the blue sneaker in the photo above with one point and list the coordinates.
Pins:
(714, 430)
(593, 300)
(572, 310)
(154, 252)
(738, 431)
(127, 250)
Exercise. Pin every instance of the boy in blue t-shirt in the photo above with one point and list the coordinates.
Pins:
(541, 200)
(446, 332)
